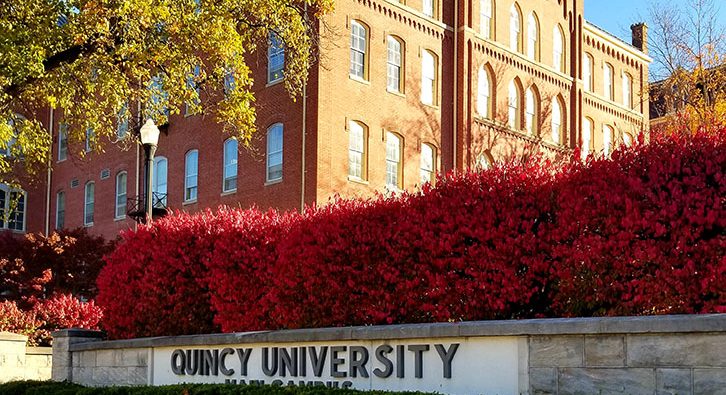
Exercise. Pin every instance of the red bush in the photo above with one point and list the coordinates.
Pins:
(12, 319)
(155, 281)
(641, 233)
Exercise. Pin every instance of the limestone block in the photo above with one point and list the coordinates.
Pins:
(137, 375)
(605, 351)
(87, 358)
(543, 381)
(709, 381)
(105, 358)
(669, 350)
(556, 351)
(606, 381)
(673, 381)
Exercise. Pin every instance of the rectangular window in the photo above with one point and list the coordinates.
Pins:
(394, 65)
(60, 210)
(428, 78)
(587, 72)
(16, 208)
(485, 18)
(230, 166)
(274, 152)
(193, 84)
(89, 204)
(358, 47)
(191, 167)
(428, 158)
(608, 81)
(62, 142)
(393, 161)
(627, 97)
(122, 119)
(275, 59)
(159, 99)
(356, 150)
(88, 142)
(428, 8)
(120, 195)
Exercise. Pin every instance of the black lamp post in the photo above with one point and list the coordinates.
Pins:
(149, 138)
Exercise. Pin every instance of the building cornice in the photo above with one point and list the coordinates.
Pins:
(610, 39)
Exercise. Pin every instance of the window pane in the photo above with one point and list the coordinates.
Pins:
(60, 210)
(274, 152)
(427, 163)
(160, 181)
(357, 50)
(556, 120)
(393, 159)
(428, 77)
(89, 204)
(532, 36)
(483, 93)
(356, 150)
(485, 16)
(62, 142)
(230, 165)
(275, 58)
(514, 28)
(120, 195)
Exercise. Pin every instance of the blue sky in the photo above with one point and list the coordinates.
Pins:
(616, 16)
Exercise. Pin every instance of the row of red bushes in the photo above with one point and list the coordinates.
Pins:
(641, 233)
(44, 278)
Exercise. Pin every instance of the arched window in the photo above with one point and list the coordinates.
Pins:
(515, 28)
(229, 182)
(531, 111)
(486, 25)
(274, 152)
(533, 36)
(357, 150)
(587, 74)
(428, 163)
(558, 49)
(429, 72)
(587, 128)
(607, 140)
(60, 210)
(484, 94)
(608, 87)
(160, 176)
(556, 121)
(627, 91)
(395, 64)
(191, 172)
(358, 50)
(394, 162)
(275, 58)
(627, 139)
(514, 100)
(120, 211)
(88, 203)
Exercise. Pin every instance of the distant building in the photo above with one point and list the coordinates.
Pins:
(403, 90)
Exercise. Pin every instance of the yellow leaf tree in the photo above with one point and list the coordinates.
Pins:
(95, 59)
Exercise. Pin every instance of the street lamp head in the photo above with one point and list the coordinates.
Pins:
(149, 133)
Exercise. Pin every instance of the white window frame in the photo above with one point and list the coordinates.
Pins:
(394, 64)
(556, 121)
(531, 104)
(60, 210)
(8, 219)
(587, 72)
(587, 127)
(558, 49)
(229, 165)
(357, 150)
(627, 90)
(191, 176)
(358, 50)
(484, 94)
(428, 163)
(121, 191)
(533, 36)
(608, 81)
(275, 58)
(515, 29)
(89, 201)
(514, 105)
(429, 8)
(62, 142)
(607, 140)
(275, 141)
(394, 161)
(429, 71)
(485, 18)
(160, 188)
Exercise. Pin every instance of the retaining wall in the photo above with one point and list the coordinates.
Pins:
(18, 362)
(629, 355)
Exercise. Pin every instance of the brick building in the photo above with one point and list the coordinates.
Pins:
(402, 90)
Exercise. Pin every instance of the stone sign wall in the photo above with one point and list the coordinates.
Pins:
(18, 362)
(631, 355)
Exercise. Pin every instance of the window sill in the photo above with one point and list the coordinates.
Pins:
(358, 180)
(396, 93)
(434, 106)
(61, 160)
(88, 225)
(118, 219)
(273, 182)
(358, 79)
(227, 193)
(189, 202)
(274, 82)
